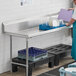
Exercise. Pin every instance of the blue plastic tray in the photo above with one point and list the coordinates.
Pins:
(47, 27)
(34, 54)
(32, 51)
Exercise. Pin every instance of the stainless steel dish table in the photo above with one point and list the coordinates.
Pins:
(28, 34)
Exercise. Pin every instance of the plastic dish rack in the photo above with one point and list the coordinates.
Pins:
(34, 54)
(70, 71)
(48, 27)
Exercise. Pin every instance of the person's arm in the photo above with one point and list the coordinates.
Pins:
(73, 19)
(71, 22)
(71, 9)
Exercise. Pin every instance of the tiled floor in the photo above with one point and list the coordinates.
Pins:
(38, 70)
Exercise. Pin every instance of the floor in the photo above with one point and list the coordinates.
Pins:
(38, 70)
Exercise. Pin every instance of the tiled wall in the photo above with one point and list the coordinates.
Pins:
(11, 10)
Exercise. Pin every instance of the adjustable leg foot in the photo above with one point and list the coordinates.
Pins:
(51, 64)
(14, 68)
(56, 61)
(29, 71)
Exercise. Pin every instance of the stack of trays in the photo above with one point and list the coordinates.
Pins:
(34, 54)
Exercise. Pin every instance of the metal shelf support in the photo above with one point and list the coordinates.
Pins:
(27, 56)
(11, 52)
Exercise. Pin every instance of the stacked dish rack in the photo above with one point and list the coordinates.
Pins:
(34, 54)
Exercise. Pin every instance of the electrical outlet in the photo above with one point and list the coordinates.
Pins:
(22, 2)
(25, 2)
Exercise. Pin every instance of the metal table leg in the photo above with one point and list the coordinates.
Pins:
(26, 56)
(11, 51)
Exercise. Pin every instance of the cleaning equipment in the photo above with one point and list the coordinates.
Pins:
(67, 71)
(65, 15)
(34, 54)
(72, 65)
(70, 71)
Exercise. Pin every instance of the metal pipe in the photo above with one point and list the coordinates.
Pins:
(18, 64)
(11, 52)
(27, 56)
(53, 14)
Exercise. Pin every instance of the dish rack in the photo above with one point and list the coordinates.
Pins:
(34, 54)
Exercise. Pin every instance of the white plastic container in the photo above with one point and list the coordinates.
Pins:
(54, 22)
(69, 71)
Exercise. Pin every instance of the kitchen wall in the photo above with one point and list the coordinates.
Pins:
(11, 10)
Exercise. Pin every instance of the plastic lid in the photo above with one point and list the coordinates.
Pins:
(70, 69)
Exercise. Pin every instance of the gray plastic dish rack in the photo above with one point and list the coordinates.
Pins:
(59, 51)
